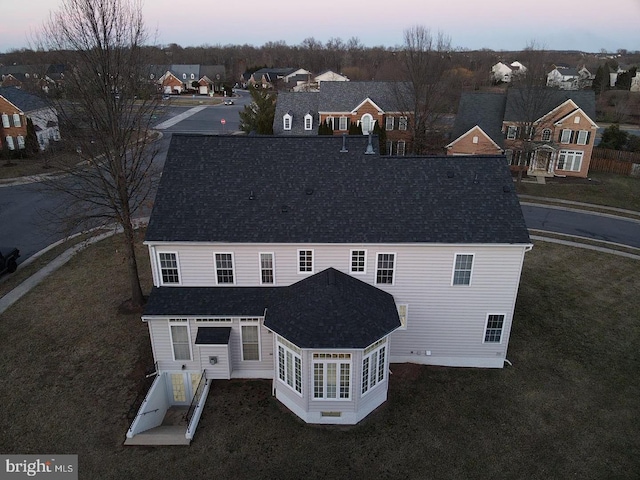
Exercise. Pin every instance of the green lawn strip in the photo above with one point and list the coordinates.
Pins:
(567, 408)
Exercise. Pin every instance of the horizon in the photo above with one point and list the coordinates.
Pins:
(571, 26)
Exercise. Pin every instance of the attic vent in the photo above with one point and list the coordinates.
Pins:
(251, 195)
(284, 209)
(450, 174)
(308, 191)
(475, 179)
(344, 143)
(506, 189)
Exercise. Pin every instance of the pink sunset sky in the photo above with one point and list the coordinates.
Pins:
(587, 25)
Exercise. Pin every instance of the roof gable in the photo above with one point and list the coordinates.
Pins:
(477, 131)
(342, 97)
(365, 102)
(486, 110)
(585, 99)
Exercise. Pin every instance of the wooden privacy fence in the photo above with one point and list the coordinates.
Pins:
(615, 161)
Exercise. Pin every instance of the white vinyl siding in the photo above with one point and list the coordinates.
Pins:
(169, 268)
(462, 269)
(569, 160)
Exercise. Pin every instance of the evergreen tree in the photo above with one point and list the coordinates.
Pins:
(613, 138)
(31, 146)
(382, 137)
(259, 114)
(601, 81)
(355, 128)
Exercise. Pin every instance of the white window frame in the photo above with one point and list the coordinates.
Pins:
(299, 258)
(180, 322)
(287, 122)
(403, 123)
(289, 365)
(490, 332)
(368, 126)
(308, 122)
(512, 132)
(262, 269)
(393, 269)
(401, 148)
(325, 359)
(184, 76)
(160, 268)
(374, 366)
(352, 252)
(5, 120)
(546, 135)
(343, 125)
(389, 123)
(20, 139)
(10, 144)
(217, 269)
(565, 136)
(576, 119)
(583, 135)
(16, 120)
(389, 147)
(403, 313)
(573, 158)
(460, 270)
(250, 322)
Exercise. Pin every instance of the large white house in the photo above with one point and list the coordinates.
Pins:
(316, 262)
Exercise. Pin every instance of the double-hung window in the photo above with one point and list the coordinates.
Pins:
(358, 261)
(10, 143)
(493, 329)
(180, 339)
(583, 137)
(5, 120)
(224, 268)
(267, 276)
(512, 132)
(286, 122)
(389, 123)
(16, 120)
(373, 365)
(385, 268)
(342, 123)
(305, 261)
(308, 122)
(169, 271)
(250, 333)
(402, 123)
(565, 136)
(290, 364)
(462, 269)
(401, 148)
(331, 376)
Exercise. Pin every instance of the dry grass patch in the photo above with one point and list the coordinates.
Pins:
(566, 409)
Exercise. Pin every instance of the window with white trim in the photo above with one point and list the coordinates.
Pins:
(569, 160)
(493, 329)
(267, 276)
(576, 119)
(169, 270)
(214, 320)
(462, 269)
(385, 268)
(16, 120)
(389, 147)
(180, 339)
(250, 333)
(10, 144)
(583, 136)
(389, 121)
(305, 261)
(474, 139)
(512, 132)
(308, 122)
(331, 376)
(565, 136)
(342, 123)
(290, 364)
(20, 141)
(401, 147)
(193, 76)
(373, 365)
(224, 268)
(5, 120)
(358, 261)
(546, 135)
(366, 122)
(184, 76)
(402, 123)
(402, 313)
(286, 122)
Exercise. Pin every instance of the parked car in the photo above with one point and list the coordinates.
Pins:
(8, 259)
(228, 101)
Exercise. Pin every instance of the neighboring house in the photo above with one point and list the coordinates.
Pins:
(315, 262)
(564, 130)
(16, 106)
(342, 104)
(315, 82)
(31, 77)
(501, 72)
(570, 78)
(635, 83)
(170, 84)
(271, 77)
(179, 78)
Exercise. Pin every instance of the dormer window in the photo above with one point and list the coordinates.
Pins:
(286, 121)
(184, 76)
(308, 122)
(193, 76)
(366, 122)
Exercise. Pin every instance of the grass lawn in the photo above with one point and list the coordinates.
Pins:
(568, 408)
(605, 189)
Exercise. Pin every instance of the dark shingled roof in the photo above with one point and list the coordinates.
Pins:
(585, 99)
(213, 335)
(297, 104)
(345, 96)
(485, 110)
(27, 102)
(271, 189)
(340, 311)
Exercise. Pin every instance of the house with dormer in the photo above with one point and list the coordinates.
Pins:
(343, 105)
(560, 144)
(315, 262)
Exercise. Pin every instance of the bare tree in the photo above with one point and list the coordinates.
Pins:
(425, 58)
(110, 103)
